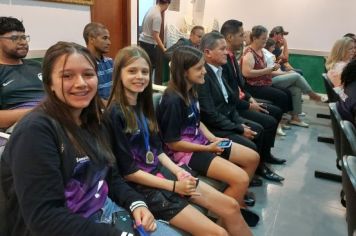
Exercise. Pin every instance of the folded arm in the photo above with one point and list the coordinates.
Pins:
(10, 117)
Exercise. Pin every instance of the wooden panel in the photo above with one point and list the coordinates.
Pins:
(116, 16)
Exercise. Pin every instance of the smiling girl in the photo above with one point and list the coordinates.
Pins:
(57, 170)
(168, 188)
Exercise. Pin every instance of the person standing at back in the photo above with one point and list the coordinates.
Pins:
(149, 38)
(97, 39)
(20, 79)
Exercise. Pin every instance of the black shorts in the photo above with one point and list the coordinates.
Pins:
(201, 161)
(163, 204)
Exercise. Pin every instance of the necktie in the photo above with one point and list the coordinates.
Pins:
(223, 89)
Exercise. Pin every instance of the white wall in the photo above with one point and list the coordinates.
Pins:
(313, 24)
(48, 22)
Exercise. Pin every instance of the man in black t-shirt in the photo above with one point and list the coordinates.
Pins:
(20, 80)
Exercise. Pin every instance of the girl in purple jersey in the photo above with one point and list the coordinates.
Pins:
(168, 188)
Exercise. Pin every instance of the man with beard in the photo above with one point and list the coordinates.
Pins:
(97, 38)
(20, 79)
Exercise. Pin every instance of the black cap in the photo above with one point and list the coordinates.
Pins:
(278, 30)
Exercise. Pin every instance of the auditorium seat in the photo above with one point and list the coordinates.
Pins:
(332, 98)
(349, 186)
(336, 127)
(3, 138)
(348, 138)
(329, 87)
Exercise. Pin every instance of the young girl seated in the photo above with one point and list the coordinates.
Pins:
(188, 141)
(57, 170)
(168, 188)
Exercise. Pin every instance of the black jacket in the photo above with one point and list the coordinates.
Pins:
(235, 80)
(181, 42)
(34, 173)
(220, 117)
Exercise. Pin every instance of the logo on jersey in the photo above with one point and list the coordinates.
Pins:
(7, 83)
(39, 75)
(82, 159)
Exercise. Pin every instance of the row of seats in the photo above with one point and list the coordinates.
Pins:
(345, 147)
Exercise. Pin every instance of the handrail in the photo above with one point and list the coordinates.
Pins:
(159, 88)
(4, 135)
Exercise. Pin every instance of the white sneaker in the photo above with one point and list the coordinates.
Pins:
(280, 132)
(299, 123)
(324, 99)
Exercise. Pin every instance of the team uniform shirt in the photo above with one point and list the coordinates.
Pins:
(179, 122)
(151, 23)
(20, 85)
(47, 178)
(105, 69)
(87, 189)
(136, 150)
(130, 151)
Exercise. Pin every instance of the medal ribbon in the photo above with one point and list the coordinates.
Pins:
(142, 123)
(195, 114)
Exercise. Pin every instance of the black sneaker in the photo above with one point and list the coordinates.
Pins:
(250, 217)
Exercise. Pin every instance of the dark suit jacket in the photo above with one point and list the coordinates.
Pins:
(181, 42)
(220, 117)
(235, 80)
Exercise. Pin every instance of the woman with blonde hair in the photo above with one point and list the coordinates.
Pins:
(341, 54)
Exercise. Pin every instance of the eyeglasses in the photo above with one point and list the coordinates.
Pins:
(17, 38)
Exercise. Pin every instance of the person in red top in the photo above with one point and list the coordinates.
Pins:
(266, 115)
(258, 76)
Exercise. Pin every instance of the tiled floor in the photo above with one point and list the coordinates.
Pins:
(302, 205)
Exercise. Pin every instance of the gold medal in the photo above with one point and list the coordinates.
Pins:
(149, 157)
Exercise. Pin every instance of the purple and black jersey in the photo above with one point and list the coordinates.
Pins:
(177, 121)
(136, 148)
(87, 190)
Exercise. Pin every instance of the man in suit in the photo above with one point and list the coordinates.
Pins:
(264, 114)
(218, 105)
